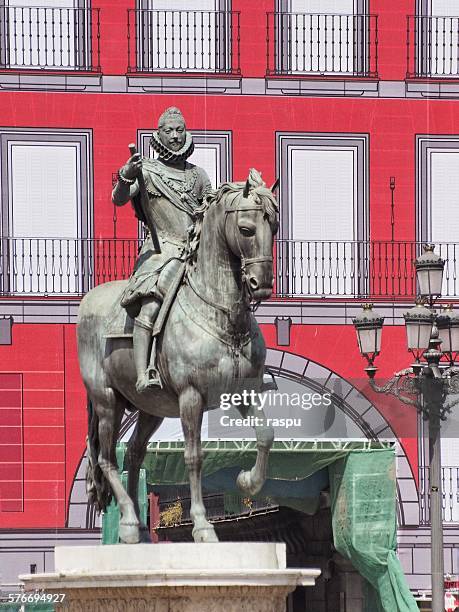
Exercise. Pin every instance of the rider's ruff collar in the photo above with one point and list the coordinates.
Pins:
(172, 156)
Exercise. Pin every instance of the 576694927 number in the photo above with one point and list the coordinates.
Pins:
(38, 597)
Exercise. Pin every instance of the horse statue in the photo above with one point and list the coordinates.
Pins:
(210, 344)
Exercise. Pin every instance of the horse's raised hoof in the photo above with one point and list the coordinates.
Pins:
(205, 534)
(128, 533)
(246, 484)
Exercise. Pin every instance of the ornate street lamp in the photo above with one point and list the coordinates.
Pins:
(448, 332)
(418, 322)
(428, 380)
(369, 326)
(429, 272)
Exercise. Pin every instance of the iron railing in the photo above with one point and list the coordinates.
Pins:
(183, 41)
(450, 495)
(63, 266)
(37, 37)
(379, 270)
(356, 269)
(432, 46)
(322, 44)
(218, 505)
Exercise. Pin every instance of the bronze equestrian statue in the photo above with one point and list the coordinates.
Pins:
(208, 342)
(164, 199)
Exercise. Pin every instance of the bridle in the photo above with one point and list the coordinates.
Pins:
(246, 261)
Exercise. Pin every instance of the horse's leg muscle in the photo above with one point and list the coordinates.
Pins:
(252, 481)
(110, 412)
(191, 409)
(144, 429)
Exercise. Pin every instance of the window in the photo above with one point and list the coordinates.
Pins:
(46, 34)
(176, 36)
(46, 211)
(437, 196)
(324, 194)
(325, 37)
(436, 38)
(212, 151)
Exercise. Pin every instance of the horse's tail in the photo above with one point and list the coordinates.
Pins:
(97, 486)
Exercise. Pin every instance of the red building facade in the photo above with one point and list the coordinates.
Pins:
(353, 108)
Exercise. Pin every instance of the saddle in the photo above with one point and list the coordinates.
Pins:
(121, 325)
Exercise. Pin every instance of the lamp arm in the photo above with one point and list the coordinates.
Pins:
(397, 386)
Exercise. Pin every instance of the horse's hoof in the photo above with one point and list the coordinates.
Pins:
(245, 483)
(205, 534)
(128, 533)
(144, 535)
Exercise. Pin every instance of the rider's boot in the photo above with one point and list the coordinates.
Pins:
(142, 341)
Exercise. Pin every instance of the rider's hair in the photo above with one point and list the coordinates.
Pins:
(171, 112)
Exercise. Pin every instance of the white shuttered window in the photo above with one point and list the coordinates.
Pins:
(179, 36)
(437, 201)
(322, 35)
(46, 211)
(42, 34)
(324, 188)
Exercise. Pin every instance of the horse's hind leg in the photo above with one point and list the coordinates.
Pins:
(191, 409)
(252, 481)
(135, 454)
(110, 411)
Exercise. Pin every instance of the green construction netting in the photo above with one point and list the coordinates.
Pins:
(362, 481)
(364, 523)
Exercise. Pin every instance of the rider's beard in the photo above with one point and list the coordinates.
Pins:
(169, 155)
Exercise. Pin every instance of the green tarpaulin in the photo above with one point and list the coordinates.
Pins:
(362, 482)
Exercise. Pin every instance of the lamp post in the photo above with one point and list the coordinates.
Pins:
(429, 380)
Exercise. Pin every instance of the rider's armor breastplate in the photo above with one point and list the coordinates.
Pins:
(168, 220)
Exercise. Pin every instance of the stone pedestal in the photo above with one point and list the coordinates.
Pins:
(181, 577)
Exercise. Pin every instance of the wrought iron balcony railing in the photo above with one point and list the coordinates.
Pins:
(322, 44)
(377, 270)
(38, 37)
(356, 269)
(63, 266)
(432, 46)
(183, 41)
(450, 493)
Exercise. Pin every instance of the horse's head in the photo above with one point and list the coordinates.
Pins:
(250, 225)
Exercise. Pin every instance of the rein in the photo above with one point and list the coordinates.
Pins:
(245, 262)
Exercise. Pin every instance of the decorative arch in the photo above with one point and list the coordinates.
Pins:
(345, 397)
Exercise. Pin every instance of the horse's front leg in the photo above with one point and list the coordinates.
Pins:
(110, 412)
(252, 481)
(191, 410)
(145, 427)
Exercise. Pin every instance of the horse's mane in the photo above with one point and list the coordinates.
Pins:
(260, 193)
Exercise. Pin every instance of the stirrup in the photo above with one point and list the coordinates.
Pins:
(154, 379)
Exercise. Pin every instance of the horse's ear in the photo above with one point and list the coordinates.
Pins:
(275, 185)
(245, 193)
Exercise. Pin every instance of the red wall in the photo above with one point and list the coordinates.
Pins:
(54, 405)
(54, 420)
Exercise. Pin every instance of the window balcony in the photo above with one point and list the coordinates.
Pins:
(376, 270)
(432, 47)
(450, 495)
(63, 266)
(42, 38)
(172, 41)
(331, 45)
